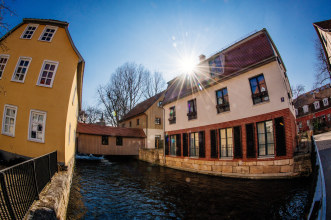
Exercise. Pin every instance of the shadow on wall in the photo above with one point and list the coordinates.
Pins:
(9, 159)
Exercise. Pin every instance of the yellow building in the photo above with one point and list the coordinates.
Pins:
(41, 76)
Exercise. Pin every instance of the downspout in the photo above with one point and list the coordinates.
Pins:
(146, 130)
(164, 136)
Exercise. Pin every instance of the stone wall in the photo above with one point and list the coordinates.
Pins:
(53, 200)
(259, 169)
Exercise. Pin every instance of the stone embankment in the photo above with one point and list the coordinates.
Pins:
(53, 200)
(259, 169)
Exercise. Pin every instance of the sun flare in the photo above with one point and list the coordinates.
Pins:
(187, 65)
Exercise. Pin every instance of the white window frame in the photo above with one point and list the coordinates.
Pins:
(48, 27)
(4, 118)
(44, 125)
(325, 101)
(17, 65)
(317, 105)
(29, 25)
(7, 57)
(42, 69)
(305, 108)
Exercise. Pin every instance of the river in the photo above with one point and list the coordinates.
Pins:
(132, 189)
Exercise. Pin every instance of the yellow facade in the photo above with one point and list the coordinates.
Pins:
(60, 102)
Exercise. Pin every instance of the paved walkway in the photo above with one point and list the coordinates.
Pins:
(323, 142)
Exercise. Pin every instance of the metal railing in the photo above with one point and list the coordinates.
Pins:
(318, 206)
(21, 184)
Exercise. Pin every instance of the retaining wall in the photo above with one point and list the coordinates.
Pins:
(260, 169)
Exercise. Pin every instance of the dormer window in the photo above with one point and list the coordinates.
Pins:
(192, 109)
(159, 104)
(305, 108)
(325, 101)
(48, 33)
(29, 31)
(317, 105)
(216, 66)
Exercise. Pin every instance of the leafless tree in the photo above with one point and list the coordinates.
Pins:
(297, 90)
(90, 115)
(124, 90)
(155, 84)
(4, 26)
(322, 75)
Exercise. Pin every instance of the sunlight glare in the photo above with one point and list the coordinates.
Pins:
(187, 65)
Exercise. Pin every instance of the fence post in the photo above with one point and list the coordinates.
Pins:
(5, 195)
(35, 180)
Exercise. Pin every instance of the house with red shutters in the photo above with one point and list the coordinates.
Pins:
(234, 114)
(313, 110)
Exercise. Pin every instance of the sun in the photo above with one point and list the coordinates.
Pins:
(187, 64)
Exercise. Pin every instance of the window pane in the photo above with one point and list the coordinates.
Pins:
(271, 149)
(262, 150)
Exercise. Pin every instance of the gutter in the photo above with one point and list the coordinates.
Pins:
(164, 136)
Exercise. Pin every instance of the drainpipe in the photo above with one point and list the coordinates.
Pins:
(164, 136)
(146, 130)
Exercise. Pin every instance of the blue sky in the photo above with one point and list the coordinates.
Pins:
(157, 34)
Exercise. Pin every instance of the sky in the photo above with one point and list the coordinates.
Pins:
(158, 34)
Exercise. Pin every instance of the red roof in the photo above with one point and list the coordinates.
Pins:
(312, 96)
(141, 107)
(253, 50)
(110, 131)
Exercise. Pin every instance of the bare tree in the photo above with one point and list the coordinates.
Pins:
(90, 115)
(155, 84)
(297, 90)
(322, 75)
(124, 90)
(4, 26)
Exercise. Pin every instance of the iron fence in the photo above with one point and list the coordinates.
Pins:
(21, 184)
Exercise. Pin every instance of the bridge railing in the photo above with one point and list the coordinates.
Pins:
(21, 184)
(318, 206)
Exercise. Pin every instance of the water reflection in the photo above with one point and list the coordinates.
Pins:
(107, 189)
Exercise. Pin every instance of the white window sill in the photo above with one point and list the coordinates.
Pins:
(7, 134)
(265, 157)
(226, 158)
(36, 140)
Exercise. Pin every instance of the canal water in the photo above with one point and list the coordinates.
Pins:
(132, 189)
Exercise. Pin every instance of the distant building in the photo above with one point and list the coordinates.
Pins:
(234, 115)
(323, 30)
(147, 115)
(106, 140)
(313, 109)
(41, 78)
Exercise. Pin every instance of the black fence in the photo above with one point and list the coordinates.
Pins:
(21, 184)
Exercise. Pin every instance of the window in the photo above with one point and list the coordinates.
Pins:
(296, 112)
(329, 117)
(317, 105)
(172, 115)
(47, 73)
(308, 123)
(157, 121)
(48, 33)
(194, 144)
(21, 69)
(173, 145)
(37, 126)
(259, 89)
(123, 125)
(222, 100)
(119, 141)
(325, 100)
(226, 143)
(265, 138)
(159, 104)
(9, 120)
(158, 143)
(192, 109)
(216, 66)
(300, 124)
(104, 140)
(130, 124)
(29, 31)
(3, 62)
(137, 121)
(305, 108)
(69, 133)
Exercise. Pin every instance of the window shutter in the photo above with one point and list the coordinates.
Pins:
(213, 147)
(166, 146)
(201, 144)
(237, 142)
(250, 141)
(185, 145)
(178, 145)
(280, 137)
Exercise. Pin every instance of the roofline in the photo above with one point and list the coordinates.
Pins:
(46, 22)
(142, 113)
(195, 90)
(110, 135)
(321, 41)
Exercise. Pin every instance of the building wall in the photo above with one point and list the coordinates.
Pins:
(303, 120)
(28, 95)
(142, 122)
(151, 133)
(327, 37)
(91, 144)
(239, 93)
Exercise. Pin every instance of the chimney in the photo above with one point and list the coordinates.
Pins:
(202, 57)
